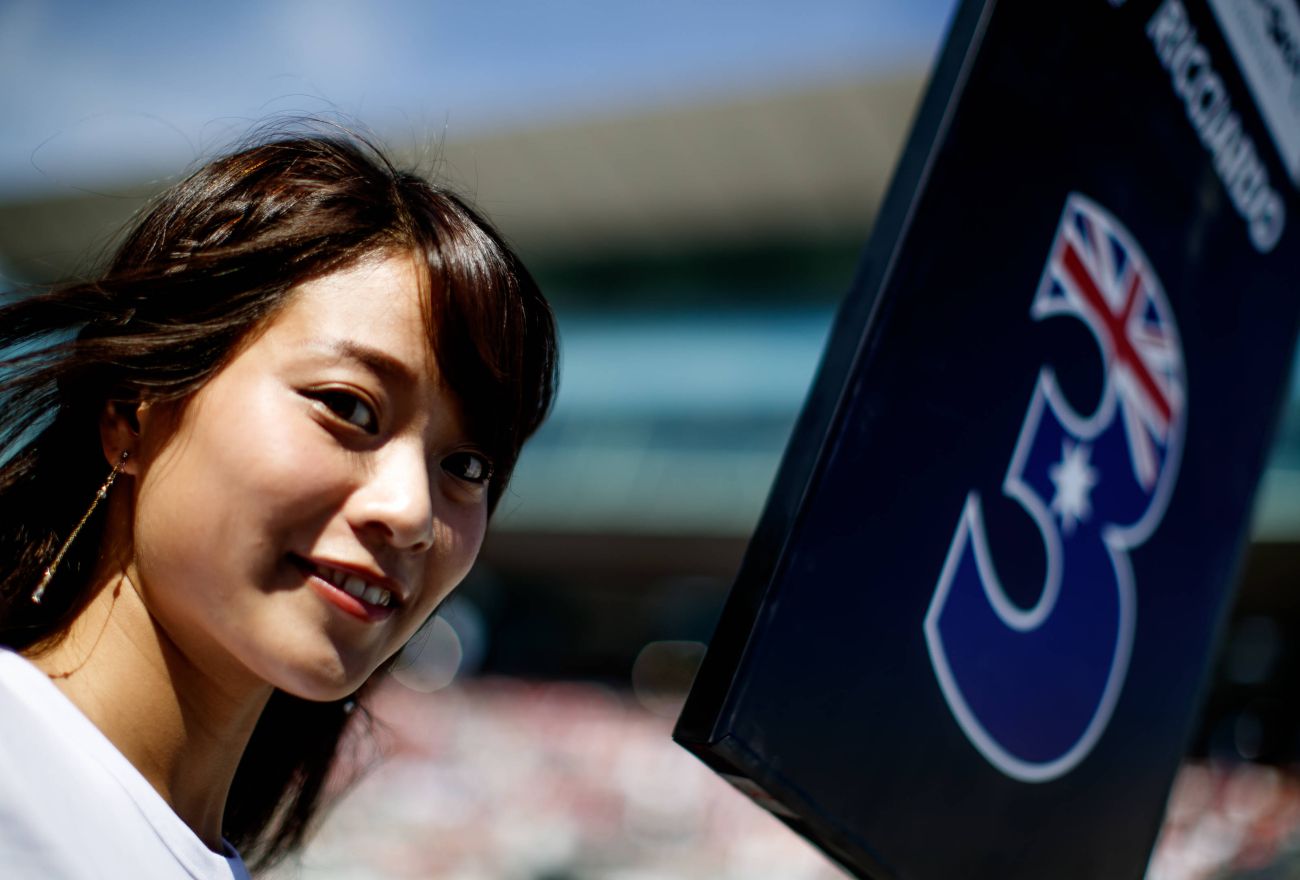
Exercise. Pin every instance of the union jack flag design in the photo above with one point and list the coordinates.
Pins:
(1033, 688)
(1098, 275)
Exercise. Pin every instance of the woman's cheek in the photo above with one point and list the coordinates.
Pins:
(285, 456)
(459, 538)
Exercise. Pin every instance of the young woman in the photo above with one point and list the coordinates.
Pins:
(239, 471)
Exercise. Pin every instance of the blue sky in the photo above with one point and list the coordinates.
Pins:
(97, 92)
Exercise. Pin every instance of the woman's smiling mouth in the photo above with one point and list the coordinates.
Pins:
(349, 590)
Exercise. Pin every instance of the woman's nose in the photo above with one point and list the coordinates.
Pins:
(396, 503)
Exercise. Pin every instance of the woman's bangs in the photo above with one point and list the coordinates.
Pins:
(491, 332)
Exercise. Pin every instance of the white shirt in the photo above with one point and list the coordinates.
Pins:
(72, 807)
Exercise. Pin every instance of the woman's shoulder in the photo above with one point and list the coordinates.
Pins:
(72, 806)
(40, 728)
(29, 707)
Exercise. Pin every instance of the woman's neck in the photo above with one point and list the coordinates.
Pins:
(182, 728)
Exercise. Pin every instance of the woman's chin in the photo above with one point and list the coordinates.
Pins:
(322, 681)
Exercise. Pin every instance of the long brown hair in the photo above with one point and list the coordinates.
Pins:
(215, 257)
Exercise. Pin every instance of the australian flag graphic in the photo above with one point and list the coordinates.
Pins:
(1034, 688)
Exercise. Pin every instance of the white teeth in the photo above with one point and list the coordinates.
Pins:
(356, 586)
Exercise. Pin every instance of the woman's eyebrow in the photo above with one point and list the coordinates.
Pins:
(376, 360)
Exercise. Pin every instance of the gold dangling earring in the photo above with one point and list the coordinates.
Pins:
(48, 576)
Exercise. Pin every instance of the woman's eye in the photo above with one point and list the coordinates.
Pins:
(350, 408)
(468, 466)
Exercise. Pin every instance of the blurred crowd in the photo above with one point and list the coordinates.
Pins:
(1230, 820)
(497, 778)
(502, 779)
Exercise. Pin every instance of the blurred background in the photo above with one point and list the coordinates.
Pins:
(692, 184)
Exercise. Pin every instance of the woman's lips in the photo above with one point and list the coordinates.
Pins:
(353, 584)
(348, 591)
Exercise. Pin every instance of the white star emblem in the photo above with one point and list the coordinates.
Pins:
(1074, 479)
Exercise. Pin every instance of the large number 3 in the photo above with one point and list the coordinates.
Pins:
(1034, 688)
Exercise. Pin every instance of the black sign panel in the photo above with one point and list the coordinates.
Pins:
(971, 629)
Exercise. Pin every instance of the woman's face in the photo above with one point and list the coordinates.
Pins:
(303, 514)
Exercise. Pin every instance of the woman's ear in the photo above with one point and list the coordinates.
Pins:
(119, 431)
